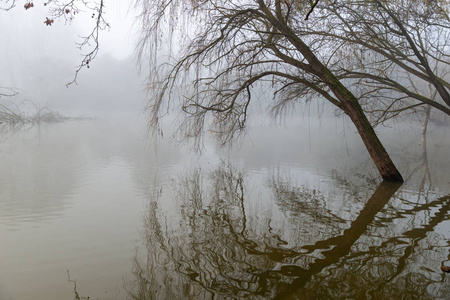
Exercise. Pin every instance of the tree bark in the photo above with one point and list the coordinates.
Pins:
(380, 157)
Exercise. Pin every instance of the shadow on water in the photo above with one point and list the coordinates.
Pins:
(223, 246)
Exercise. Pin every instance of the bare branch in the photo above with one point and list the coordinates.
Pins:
(313, 5)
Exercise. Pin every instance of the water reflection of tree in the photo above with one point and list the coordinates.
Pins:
(213, 253)
(376, 257)
(422, 169)
(216, 250)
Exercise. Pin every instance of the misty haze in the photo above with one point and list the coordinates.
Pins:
(224, 150)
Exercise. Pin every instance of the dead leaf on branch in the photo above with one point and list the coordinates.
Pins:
(28, 5)
(48, 22)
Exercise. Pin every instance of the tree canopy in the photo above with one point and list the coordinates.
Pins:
(371, 58)
(396, 53)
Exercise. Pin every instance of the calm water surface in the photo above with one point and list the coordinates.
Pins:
(94, 209)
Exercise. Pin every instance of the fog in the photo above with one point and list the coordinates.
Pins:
(95, 209)
(39, 60)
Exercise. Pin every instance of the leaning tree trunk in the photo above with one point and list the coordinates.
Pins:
(348, 102)
(351, 106)
(380, 157)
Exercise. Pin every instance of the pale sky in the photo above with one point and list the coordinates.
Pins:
(39, 60)
(119, 40)
(25, 37)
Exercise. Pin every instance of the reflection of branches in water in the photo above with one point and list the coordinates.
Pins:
(216, 250)
(425, 183)
(7, 91)
(305, 205)
(150, 282)
(400, 267)
(339, 246)
(227, 260)
(213, 250)
(77, 296)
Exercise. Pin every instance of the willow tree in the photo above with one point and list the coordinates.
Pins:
(225, 48)
(396, 53)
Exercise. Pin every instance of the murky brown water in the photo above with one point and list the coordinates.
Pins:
(90, 209)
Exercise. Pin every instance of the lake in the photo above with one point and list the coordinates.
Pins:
(95, 209)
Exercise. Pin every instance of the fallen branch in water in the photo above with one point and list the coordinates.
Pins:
(12, 114)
